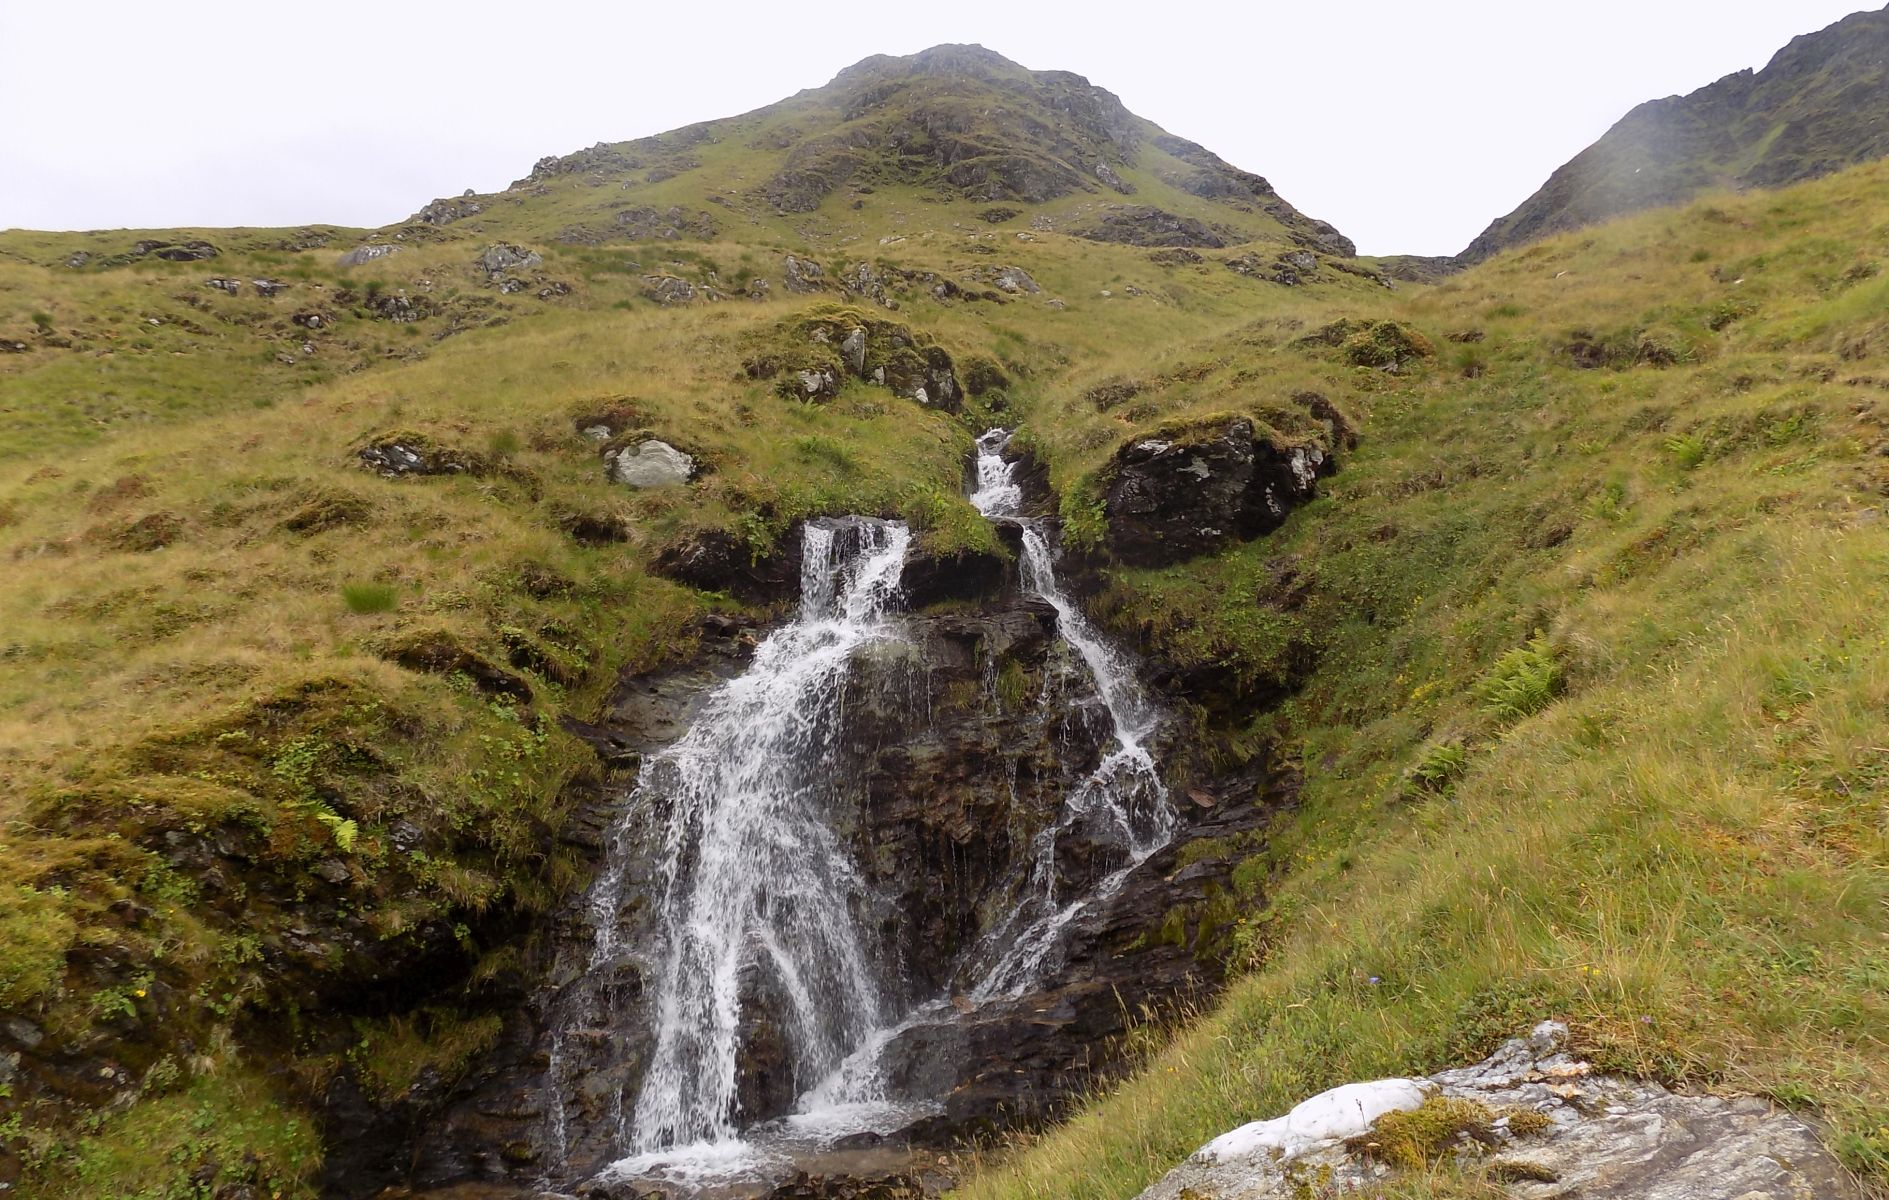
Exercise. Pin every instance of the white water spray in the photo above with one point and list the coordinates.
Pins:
(1124, 794)
(753, 885)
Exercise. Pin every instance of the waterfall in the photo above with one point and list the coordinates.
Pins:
(729, 889)
(752, 884)
(1124, 794)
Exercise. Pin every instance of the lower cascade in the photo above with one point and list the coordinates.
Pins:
(745, 914)
(751, 882)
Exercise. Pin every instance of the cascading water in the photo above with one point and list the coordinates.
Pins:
(733, 839)
(1124, 794)
(751, 877)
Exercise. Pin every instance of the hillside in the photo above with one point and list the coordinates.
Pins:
(320, 588)
(1820, 104)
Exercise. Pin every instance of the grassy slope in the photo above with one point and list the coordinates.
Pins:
(1675, 835)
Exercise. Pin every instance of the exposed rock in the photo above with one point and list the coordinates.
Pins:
(1111, 180)
(642, 222)
(1142, 225)
(1170, 499)
(1015, 280)
(9, 346)
(504, 258)
(715, 560)
(195, 251)
(1178, 256)
(801, 274)
(650, 464)
(398, 307)
(1594, 1136)
(997, 216)
(668, 290)
(77, 259)
(853, 350)
(863, 281)
(932, 577)
(362, 255)
(445, 212)
(1213, 178)
(232, 287)
(398, 456)
(268, 289)
(1290, 269)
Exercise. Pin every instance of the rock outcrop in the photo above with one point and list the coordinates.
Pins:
(1144, 225)
(811, 356)
(362, 255)
(502, 259)
(1171, 498)
(446, 211)
(1532, 1117)
(641, 222)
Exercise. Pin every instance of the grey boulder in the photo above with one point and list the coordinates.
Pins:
(651, 464)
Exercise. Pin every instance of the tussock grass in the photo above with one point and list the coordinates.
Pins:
(1681, 846)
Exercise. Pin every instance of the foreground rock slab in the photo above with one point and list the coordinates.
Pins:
(1591, 1136)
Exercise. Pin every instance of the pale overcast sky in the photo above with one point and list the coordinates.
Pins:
(1408, 125)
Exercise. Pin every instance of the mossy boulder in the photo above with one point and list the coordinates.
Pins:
(1388, 346)
(813, 355)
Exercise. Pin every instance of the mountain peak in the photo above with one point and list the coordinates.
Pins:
(953, 122)
(967, 59)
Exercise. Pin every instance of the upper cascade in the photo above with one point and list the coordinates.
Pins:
(1820, 104)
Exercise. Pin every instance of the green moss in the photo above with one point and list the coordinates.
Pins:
(35, 933)
(390, 1056)
(1429, 1134)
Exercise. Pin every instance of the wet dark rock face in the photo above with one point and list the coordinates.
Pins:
(1173, 498)
(961, 740)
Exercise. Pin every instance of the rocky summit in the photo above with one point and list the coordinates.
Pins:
(936, 636)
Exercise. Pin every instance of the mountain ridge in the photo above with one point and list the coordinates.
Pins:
(1819, 104)
(951, 122)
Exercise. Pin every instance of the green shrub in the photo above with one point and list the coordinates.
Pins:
(365, 598)
(1687, 450)
(1437, 771)
(1523, 682)
(1611, 504)
(818, 448)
